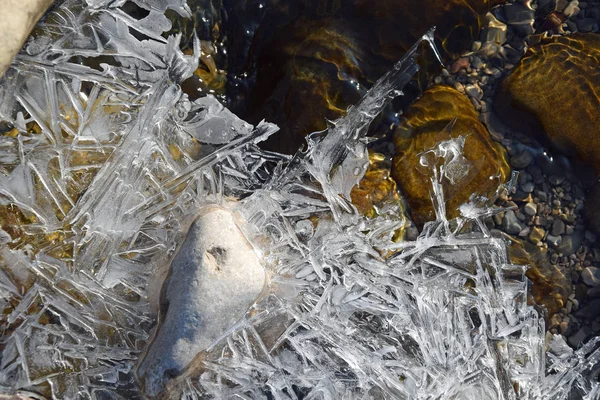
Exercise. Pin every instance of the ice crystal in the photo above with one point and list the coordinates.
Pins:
(104, 162)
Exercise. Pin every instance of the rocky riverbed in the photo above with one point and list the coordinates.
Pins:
(533, 81)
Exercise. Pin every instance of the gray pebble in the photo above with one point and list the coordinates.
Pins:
(530, 209)
(553, 240)
(510, 223)
(591, 276)
(521, 160)
(528, 187)
(474, 91)
(558, 228)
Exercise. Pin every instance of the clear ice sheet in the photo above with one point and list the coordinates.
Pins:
(103, 169)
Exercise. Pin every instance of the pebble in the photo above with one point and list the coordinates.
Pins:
(571, 10)
(474, 91)
(510, 223)
(591, 276)
(558, 228)
(521, 160)
(477, 62)
(536, 235)
(570, 244)
(553, 240)
(528, 187)
(459, 64)
(459, 86)
(564, 327)
(530, 209)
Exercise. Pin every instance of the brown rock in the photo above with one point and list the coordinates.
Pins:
(551, 287)
(557, 84)
(376, 189)
(425, 119)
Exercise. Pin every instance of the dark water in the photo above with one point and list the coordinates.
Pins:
(299, 63)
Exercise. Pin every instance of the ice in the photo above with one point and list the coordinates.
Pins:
(104, 165)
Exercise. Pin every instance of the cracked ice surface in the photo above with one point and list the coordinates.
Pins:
(103, 169)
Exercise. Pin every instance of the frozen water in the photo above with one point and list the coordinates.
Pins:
(104, 163)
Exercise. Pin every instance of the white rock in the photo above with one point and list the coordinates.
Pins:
(214, 278)
(17, 18)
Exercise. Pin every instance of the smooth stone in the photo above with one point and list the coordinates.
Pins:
(536, 235)
(594, 292)
(425, 126)
(590, 311)
(521, 160)
(551, 286)
(17, 19)
(580, 336)
(532, 104)
(376, 189)
(530, 209)
(591, 276)
(553, 241)
(528, 187)
(511, 224)
(474, 91)
(214, 278)
(558, 227)
(570, 243)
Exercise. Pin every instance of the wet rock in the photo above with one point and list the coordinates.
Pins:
(536, 235)
(376, 189)
(511, 224)
(578, 339)
(531, 103)
(214, 278)
(589, 311)
(530, 209)
(474, 91)
(521, 160)
(528, 187)
(425, 122)
(553, 241)
(570, 243)
(591, 276)
(551, 286)
(558, 227)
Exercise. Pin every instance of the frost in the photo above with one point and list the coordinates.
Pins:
(104, 164)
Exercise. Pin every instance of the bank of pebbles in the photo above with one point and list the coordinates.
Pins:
(546, 205)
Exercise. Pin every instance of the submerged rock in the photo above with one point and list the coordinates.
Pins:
(425, 119)
(214, 278)
(563, 110)
(551, 287)
(376, 189)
